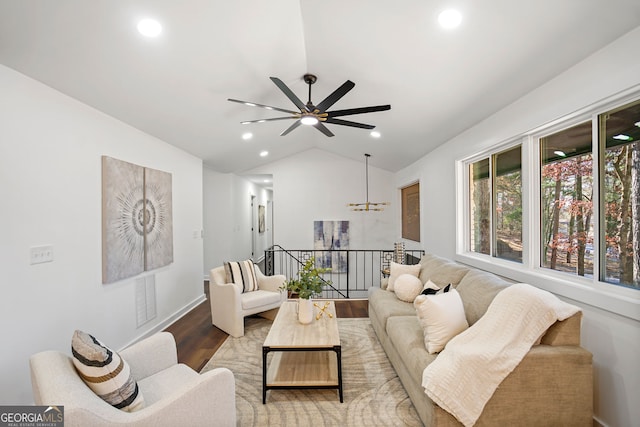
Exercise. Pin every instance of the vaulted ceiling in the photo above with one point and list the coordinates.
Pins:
(175, 87)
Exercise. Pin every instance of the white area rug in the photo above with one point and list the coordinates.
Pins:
(373, 394)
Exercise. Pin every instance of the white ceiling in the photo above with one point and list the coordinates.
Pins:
(175, 87)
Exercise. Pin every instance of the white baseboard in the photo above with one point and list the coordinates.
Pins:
(161, 326)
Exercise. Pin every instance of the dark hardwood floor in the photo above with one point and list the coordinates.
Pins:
(197, 339)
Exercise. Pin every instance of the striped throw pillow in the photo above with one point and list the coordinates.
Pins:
(105, 372)
(243, 274)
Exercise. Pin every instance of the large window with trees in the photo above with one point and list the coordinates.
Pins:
(582, 192)
(619, 135)
(495, 205)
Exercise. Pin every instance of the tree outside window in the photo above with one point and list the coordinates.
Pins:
(567, 201)
(619, 133)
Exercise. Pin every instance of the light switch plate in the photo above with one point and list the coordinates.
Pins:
(40, 254)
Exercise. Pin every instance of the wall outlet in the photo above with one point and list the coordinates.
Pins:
(40, 254)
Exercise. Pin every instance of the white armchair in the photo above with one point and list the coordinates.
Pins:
(174, 394)
(229, 305)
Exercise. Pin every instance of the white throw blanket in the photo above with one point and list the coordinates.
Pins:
(466, 373)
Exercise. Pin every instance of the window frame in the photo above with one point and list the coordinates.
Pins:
(621, 300)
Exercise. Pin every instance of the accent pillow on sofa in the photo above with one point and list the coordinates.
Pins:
(105, 372)
(243, 274)
(395, 270)
(442, 318)
(407, 287)
(430, 288)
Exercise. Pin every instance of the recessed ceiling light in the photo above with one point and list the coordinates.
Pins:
(449, 18)
(247, 136)
(266, 180)
(375, 134)
(149, 28)
(264, 153)
(623, 137)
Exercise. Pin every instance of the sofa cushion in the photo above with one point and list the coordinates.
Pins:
(407, 287)
(477, 289)
(164, 383)
(387, 304)
(407, 336)
(396, 270)
(449, 273)
(428, 263)
(243, 274)
(105, 372)
(442, 318)
(258, 298)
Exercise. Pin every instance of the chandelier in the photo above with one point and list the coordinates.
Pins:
(367, 206)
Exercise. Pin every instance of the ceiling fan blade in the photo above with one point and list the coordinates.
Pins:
(292, 96)
(360, 110)
(335, 96)
(246, 122)
(268, 107)
(322, 128)
(290, 128)
(348, 123)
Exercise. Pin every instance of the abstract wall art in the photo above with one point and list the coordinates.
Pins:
(261, 219)
(137, 219)
(331, 236)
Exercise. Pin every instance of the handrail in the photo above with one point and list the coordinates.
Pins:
(353, 271)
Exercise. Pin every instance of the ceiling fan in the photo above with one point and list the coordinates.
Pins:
(315, 115)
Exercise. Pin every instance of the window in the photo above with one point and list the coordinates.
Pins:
(495, 205)
(411, 212)
(619, 134)
(566, 193)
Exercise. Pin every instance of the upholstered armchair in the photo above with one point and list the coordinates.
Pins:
(230, 305)
(174, 394)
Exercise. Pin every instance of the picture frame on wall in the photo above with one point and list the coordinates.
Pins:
(411, 212)
(261, 219)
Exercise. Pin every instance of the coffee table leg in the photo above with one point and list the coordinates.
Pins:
(338, 350)
(265, 350)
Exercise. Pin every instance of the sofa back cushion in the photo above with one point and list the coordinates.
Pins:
(477, 289)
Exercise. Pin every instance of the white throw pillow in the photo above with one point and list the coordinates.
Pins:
(442, 318)
(395, 270)
(407, 287)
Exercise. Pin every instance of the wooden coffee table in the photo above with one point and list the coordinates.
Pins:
(305, 356)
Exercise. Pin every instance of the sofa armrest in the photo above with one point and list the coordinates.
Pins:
(547, 377)
(565, 332)
(151, 355)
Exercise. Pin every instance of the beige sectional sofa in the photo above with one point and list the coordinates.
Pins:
(552, 385)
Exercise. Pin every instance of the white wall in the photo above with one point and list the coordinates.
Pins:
(318, 185)
(613, 339)
(50, 189)
(228, 218)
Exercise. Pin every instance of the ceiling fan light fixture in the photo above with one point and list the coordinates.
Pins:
(309, 120)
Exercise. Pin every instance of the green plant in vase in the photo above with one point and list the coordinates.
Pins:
(309, 282)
